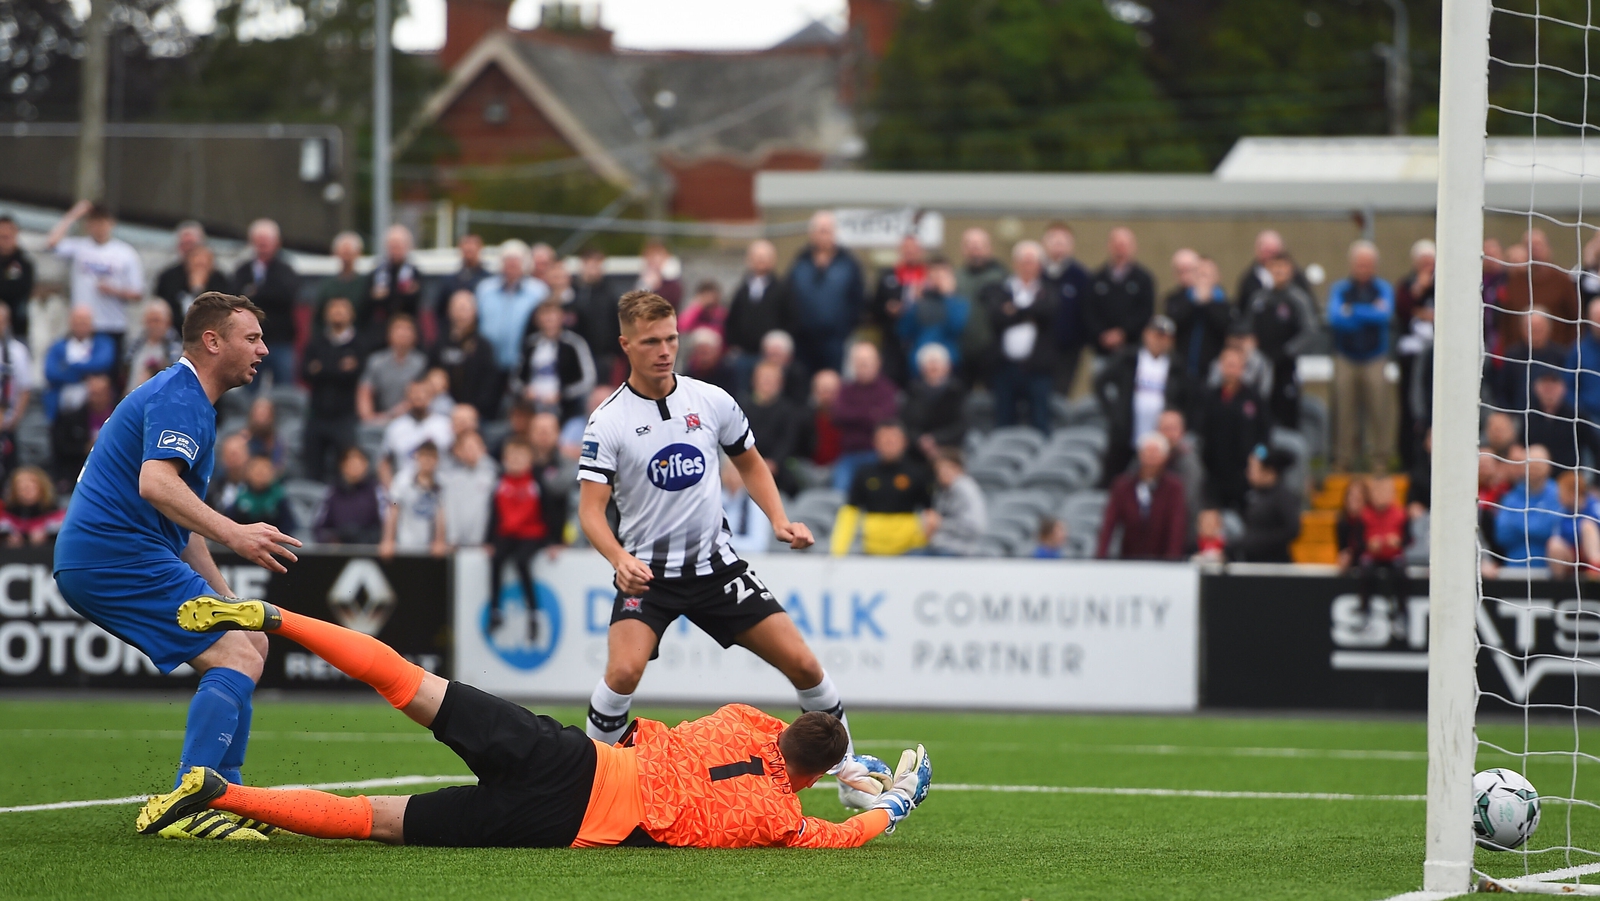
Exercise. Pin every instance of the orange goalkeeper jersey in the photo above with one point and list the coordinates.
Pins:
(715, 782)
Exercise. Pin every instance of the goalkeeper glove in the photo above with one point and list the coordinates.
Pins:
(862, 779)
(914, 775)
(897, 803)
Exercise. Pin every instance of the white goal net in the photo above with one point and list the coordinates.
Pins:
(1515, 646)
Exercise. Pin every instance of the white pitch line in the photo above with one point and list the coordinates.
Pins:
(324, 786)
(1547, 876)
(1171, 793)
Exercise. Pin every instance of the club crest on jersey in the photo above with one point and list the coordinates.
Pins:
(676, 467)
(691, 421)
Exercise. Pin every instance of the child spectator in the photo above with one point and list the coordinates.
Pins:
(521, 524)
(31, 515)
(1383, 531)
(262, 499)
(350, 511)
(1052, 539)
(1348, 529)
(412, 523)
(1212, 543)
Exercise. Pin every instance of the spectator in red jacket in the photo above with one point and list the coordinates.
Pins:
(1147, 507)
(521, 524)
(866, 401)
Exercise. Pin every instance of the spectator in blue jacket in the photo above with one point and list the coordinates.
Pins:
(1360, 310)
(1529, 512)
(70, 362)
(938, 317)
(1583, 367)
(828, 293)
(506, 302)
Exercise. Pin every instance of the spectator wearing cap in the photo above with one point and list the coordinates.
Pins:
(1135, 387)
(506, 304)
(1258, 274)
(1071, 283)
(938, 316)
(760, 305)
(273, 285)
(1199, 310)
(16, 275)
(1122, 297)
(1146, 515)
(1282, 317)
(594, 297)
(865, 402)
(1271, 511)
(1582, 366)
(394, 287)
(1360, 312)
(106, 272)
(826, 284)
(898, 289)
(1233, 421)
(1021, 313)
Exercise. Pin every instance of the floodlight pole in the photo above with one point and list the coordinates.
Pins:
(1457, 366)
(381, 127)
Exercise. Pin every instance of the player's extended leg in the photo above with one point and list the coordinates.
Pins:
(408, 687)
(777, 641)
(218, 728)
(304, 811)
(628, 647)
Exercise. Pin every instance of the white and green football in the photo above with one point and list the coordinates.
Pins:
(1505, 809)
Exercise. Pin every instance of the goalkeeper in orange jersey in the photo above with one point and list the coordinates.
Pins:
(728, 780)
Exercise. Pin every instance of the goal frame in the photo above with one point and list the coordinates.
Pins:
(1457, 370)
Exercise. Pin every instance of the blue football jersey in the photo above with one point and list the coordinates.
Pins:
(169, 417)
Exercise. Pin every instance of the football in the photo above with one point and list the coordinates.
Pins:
(1505, 810)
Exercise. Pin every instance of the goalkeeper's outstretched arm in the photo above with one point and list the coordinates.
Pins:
(852, 833)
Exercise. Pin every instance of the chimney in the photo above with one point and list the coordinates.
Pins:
(875, 21)
(466, 23)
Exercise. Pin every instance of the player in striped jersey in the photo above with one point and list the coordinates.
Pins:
(653, 448)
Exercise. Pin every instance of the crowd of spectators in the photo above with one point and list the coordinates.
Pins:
(444, 413)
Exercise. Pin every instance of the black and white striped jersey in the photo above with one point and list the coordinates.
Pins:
(661, 459)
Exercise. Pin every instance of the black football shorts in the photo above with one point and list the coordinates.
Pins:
(724, 604)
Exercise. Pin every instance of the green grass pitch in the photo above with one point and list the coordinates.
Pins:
(960, 844)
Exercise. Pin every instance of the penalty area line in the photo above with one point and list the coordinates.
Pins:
(391, 782)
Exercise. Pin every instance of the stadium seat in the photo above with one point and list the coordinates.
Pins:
(291, 402)
(1314, 424)
(1295, 443)
(817, 507)
(369, 437)
(1036, 504)
(979, 409)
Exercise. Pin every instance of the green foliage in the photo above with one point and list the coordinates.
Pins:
(1021, 85)
(1561, 89)
(567, 191)
(320, 73)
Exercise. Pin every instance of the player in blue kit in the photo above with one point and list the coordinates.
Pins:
(133, 546)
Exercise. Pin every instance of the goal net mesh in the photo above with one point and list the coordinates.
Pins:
(1538, 620)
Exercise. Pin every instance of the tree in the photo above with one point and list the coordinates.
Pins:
(41, 42)
(1021, 85)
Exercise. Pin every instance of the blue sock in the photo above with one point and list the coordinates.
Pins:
(214, 717)
(234, 758)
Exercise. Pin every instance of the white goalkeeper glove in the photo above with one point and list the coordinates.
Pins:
(911, 780)
(862, 779)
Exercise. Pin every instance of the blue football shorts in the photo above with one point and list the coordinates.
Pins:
(139, 604)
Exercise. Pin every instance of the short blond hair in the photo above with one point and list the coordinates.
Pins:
(643, 306)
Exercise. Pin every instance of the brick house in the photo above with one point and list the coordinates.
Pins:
(691, 127)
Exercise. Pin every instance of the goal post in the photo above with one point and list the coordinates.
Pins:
(1457, 370)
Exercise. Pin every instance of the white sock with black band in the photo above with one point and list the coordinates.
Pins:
(824, 696)
(608, 713)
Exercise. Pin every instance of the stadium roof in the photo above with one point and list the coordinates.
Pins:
(1260, 175)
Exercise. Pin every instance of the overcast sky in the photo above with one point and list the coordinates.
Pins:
(642, 24)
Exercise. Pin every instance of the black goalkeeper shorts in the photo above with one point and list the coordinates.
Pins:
(724, 604)
(534, 778)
